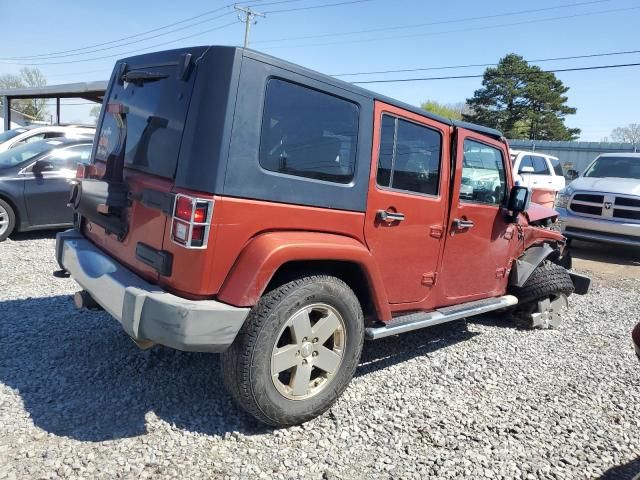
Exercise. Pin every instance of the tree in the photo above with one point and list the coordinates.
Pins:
(95, 112)
(628, 134)
(35, 108)
(453, 111)
(522, 101)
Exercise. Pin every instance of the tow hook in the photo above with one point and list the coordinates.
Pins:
(84, 300)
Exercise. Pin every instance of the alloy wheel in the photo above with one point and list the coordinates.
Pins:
(308, 352)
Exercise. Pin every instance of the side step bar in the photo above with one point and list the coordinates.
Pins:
(415, 321)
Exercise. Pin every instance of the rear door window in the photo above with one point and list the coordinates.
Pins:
(150, 129)
(540, 166)
(526, 161)
(308, 133)
(557, 167)
(409, 156)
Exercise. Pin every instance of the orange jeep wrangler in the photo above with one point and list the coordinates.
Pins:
(241, 204)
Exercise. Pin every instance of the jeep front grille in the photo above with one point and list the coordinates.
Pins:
(608, 206)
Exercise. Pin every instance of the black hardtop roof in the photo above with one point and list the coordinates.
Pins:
(321, 77)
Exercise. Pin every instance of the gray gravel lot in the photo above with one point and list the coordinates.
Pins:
(475, 399)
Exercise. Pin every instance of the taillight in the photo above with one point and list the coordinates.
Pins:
(81, 170)
(191, 221)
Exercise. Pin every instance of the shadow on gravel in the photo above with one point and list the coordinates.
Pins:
(628, 471)
(36, 235)
(390, 351)
(79, 375)
(602, 252)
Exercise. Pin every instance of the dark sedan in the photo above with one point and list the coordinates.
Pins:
(34, 183)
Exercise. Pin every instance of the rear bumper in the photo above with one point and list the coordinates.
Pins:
(148, 313)
(598, 230)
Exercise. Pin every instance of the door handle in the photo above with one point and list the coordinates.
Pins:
(390, 217)
(462, 224)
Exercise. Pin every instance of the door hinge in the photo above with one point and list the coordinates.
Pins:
(436, 231)
(429, 279)
(501, 272)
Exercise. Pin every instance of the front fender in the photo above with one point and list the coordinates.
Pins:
(266, 253)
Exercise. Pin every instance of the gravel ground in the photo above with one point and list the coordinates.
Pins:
(475, 399)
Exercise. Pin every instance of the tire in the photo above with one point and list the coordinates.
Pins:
(542, 297)
(7, 220)
(548, 279)
(274, 327)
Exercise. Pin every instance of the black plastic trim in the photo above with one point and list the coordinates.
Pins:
(160, 260)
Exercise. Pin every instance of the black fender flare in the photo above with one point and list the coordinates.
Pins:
(524, 266)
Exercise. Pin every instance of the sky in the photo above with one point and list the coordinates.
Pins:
(398, 34)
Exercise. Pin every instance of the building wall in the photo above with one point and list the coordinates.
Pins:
(573, 155)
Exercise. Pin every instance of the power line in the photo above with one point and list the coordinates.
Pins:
(468, 29)
(120, 54)
(452, 67)
(195, 17)
(457, 77)
(165, 33)
(439, 22)
(324, 6)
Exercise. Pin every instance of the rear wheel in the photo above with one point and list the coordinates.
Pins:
(543, 296)
(297, 351)
(7, 220)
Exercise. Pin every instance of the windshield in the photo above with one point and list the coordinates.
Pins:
(26, 152)
(9, 134)
(619, 167)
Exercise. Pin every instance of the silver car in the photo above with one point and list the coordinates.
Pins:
(603, 204)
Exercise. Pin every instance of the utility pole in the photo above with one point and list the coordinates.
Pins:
(248, 18)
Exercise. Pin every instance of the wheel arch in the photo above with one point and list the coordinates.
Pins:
(272, 258)
(16, 210)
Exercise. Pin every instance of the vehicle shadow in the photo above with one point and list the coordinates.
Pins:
(79, 375)
(35, 235)
(627, 471)
(605, 253)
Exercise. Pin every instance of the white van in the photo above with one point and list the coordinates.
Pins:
(537, 171)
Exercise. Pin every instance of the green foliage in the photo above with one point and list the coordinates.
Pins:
(522, 101)
(36, 109)
(453, 111)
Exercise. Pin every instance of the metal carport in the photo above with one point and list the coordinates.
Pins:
(93, 91)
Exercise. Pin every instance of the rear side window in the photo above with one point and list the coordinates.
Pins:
(540, 166)
(409, 156)
(557, 167)
(308, 133)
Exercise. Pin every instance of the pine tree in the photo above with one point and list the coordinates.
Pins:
(522, 101)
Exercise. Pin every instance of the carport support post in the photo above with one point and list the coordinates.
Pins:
(58, 111)
(6, 112)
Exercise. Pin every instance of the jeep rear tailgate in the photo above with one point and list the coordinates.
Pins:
(139, 138)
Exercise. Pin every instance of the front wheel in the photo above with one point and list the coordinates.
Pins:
(543, 296)
(7, 220)
(297, 351)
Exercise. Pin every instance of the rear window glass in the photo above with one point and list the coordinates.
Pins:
(308, 133)
(151, 128)
(540, 166)
(557, 167)
(409, 156)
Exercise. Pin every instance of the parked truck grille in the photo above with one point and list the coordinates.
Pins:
(607, 206)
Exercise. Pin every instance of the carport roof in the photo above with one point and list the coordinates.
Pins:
(87, 90)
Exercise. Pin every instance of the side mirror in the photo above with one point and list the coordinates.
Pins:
(519, 199)
(41, 166)
(526, 169)
(572, 174)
